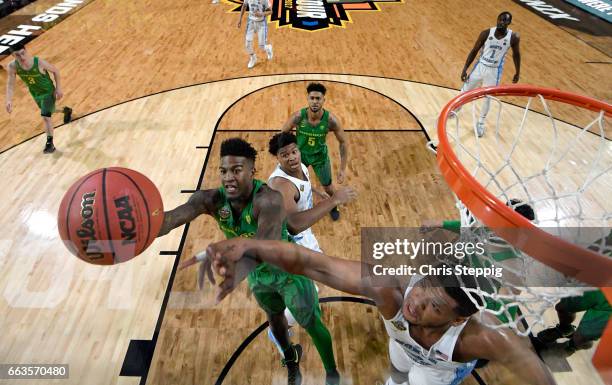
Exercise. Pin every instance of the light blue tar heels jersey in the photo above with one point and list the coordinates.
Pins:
(306, 238)
(494, 50)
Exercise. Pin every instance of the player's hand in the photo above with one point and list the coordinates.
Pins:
(204, 268)
(341, 176)
(344, 195)
(464, 76)
(58, 94)
(230, 262)
(515, 79)
(239, 23)
(321, 194)
(9, 107)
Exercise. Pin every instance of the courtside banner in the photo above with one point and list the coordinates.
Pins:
(564, 14)
(22, 28)
(599, 8)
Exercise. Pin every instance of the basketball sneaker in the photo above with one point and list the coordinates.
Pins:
(49, 148)
(480, 129)
(67, 114)
(551, 335)
(334, 214)
(272, 338)
(269, 51)
(252, 61)
(294, 377)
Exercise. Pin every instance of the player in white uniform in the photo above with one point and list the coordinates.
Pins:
(434, 338)
(256, 24)
(494, 43)
(292, 180)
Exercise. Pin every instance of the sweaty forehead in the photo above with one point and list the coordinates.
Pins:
(436, 294)
(315, 94)
(229, 161)
(288, 148)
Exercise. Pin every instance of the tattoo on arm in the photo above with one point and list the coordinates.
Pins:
(270, 215)
(200, 202)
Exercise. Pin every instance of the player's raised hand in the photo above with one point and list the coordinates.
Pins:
(205, 267)
(344, 195)
(320, 194)
(231, 262)
(515, 79)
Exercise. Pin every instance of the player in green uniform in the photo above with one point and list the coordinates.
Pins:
(34, 72)
(312, 125)
(246, 207)
(591, 327)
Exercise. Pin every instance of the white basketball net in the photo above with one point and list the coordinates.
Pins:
(562, 171)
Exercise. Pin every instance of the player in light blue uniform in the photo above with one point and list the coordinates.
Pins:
(494, 43)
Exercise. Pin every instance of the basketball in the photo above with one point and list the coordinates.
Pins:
(110, 215)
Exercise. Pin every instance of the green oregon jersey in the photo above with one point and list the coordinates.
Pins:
(311, 139)
(246, 225)
(38, 84)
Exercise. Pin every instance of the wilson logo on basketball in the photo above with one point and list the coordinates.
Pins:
(87, 232)
(315, 15)
(127, 224)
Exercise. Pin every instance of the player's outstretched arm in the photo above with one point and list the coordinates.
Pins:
(10, 86)
(504, 346)
(341, 274)
(200, 202)
(477, 46)
(292, 122)
(336, 127)
(515, 41)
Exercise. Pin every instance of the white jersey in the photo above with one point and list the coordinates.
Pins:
(436, 363)
(494, 50)
(306, 238)
(257, 6)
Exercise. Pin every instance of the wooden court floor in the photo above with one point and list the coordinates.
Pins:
(57, 309)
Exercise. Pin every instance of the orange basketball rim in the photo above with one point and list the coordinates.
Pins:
(570, 259)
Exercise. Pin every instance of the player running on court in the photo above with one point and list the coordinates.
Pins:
(34, 72)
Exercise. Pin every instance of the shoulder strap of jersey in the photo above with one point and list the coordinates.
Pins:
(304, 114)
(325, 118)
